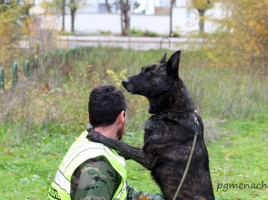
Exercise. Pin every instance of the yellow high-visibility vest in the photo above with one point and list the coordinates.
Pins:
(80, 151)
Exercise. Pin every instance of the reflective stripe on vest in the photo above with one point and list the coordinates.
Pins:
(121, 191)
(81, 151)
(61, 181)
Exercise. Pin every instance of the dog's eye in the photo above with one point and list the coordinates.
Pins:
(148, 73)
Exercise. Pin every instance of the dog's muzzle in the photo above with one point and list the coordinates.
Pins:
(125, 82)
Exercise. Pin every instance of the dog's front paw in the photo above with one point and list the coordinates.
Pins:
(95, 136)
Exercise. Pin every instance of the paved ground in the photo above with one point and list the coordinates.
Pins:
(138, 43)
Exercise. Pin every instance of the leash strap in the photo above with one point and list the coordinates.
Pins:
(189, 160)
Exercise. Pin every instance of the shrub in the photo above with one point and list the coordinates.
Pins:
(150, 33)
(242, 37)
(136, 32)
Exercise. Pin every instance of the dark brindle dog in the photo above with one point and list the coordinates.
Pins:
(169, 132)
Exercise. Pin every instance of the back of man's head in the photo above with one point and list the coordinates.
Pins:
(106, 102)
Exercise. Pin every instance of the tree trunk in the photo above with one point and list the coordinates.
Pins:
(201, 20)
(170, 17)
(73, 18)
(108, 6)
(63, 15)
(124, 16)
(126, 13)
(122, 23)
(73, 11)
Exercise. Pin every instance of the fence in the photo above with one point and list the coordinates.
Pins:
(64, 56)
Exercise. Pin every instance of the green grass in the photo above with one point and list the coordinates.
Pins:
(26, 170)
(241, 157)
(40, 118)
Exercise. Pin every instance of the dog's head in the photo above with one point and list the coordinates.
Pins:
(155, 79)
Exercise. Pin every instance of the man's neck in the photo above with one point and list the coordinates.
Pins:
(108, 131)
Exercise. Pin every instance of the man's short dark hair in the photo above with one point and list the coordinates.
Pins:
(106, 102)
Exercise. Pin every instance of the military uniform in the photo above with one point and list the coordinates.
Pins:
(97, 180)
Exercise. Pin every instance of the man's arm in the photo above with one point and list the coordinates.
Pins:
(133, 194)
(94, 179)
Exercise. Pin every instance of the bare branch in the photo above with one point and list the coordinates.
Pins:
(108, 6)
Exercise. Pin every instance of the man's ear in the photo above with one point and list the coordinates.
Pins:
(163, 60)
(121, 117)
(173, 63)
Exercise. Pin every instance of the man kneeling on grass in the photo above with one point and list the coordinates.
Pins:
(91, 170)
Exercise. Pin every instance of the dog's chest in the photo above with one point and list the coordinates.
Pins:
(156, 129)
(168, 129)
(152, 128)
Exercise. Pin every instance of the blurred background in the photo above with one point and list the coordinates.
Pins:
(53, 53)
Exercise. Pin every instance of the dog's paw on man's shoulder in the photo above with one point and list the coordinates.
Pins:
(94, 136)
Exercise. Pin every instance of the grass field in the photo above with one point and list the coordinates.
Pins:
(48, 113)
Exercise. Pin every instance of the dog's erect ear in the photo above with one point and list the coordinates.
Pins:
(163, 60)
(173, 63)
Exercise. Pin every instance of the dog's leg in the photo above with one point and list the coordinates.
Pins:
(123, 155)
(128, 151)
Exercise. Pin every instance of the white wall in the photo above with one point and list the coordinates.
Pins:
(215, 13)
(156, 23)
(184, 20)
(92, 22)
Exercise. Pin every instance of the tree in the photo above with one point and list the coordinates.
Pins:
(242, 36)
(73, 5)
(170, 17)
(63, 14)
(11, 27)
(201, 6)
(12, 17)
(125, 18)
(136, 5)
(125, 13)
(108, 6)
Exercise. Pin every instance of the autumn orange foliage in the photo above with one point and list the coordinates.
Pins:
(242, 38)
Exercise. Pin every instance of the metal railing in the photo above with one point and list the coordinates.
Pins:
(165, 38)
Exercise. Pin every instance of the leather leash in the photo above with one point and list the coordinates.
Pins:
(189, 160)
(192, 149)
